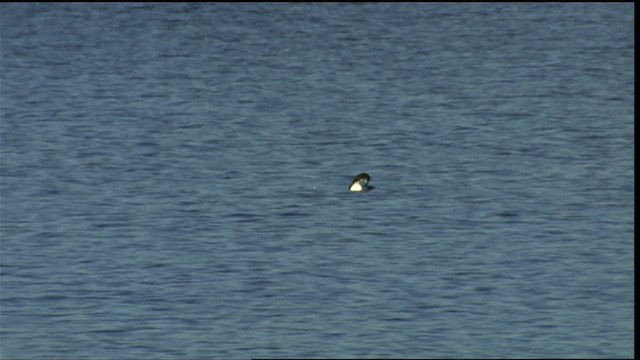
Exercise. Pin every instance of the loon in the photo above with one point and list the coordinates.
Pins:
(360, 183)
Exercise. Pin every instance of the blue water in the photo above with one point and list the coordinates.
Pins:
(174, 180)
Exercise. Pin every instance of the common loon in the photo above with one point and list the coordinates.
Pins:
(360, 183)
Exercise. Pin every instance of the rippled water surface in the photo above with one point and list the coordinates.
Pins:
(174, 180)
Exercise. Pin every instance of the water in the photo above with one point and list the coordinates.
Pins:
(174, 180)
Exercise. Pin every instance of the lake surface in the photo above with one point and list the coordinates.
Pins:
(174, 180)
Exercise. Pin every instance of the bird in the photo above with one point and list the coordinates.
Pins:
(360, 183)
